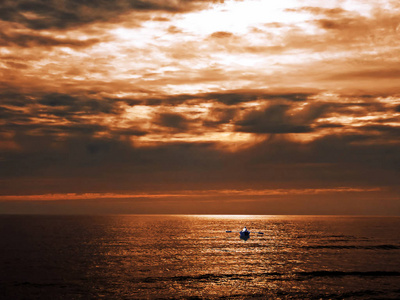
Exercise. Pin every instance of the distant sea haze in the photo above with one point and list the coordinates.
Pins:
(192, 257)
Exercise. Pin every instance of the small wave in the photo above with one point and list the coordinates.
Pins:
(367, 247)
(271, 275)
(352, 273)
(272, 294)
(206, 277)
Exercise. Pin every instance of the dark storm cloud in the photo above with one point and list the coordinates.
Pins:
(14, 98)
(168, 100)
(129, 132)
(56, 114)
(330, 160)
(87, 157)
(112, 164)
(277, 119)
(240, 96)
(354, 149)
(172, 120)
(84, 129)
(46, 14)
(26, 126)
(63, 104)
(57, 100)
(6, 113)
(231, 97)
(77, 104)
(330, 125)
(106, 163)
(31, 40)
(14, 118)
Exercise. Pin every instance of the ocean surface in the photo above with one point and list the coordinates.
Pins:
(192, 257)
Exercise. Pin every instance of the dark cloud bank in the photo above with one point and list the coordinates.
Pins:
(54, 157)
(53, 14)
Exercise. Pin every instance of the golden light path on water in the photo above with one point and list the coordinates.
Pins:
(181, 256)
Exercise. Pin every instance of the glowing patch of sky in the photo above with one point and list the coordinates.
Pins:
(239, 16)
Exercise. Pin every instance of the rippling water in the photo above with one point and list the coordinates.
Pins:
(169, 257)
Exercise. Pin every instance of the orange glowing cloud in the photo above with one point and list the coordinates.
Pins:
(179, 194)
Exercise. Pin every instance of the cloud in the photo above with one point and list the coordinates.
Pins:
(221, 34)
(240, 96)
(52, 14)
(107, 164)
(385, 73)
(334, 18)
(319, 10)
(184, 193)
(384, 131)
(34, 40)
(57, 100)
(95, 149)
(224, 118)
(220, 115)
(59, 115)
(232, 97)
(79, 105)
(129, 132)
(172, 120)
(277, 118)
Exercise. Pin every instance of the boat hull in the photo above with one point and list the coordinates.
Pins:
(244, 235)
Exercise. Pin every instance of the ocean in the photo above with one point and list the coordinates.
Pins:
(192, 257)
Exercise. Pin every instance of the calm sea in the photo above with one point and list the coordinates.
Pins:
(192, 257)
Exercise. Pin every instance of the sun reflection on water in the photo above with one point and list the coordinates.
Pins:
(182, 256)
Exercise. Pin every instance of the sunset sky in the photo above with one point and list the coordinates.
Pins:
(187, 106)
